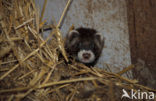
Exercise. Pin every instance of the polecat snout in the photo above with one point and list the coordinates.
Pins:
(84, 45)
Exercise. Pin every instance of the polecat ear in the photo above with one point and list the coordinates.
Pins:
(99, 36)
(72, 38)
(72, 34)
(99, 40)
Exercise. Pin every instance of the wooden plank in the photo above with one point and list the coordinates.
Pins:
(142, 32)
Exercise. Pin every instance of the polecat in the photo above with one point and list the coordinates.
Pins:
(84, 45)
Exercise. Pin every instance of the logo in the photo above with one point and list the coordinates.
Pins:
(137, 94)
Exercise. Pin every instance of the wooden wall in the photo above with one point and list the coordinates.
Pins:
(142, 31)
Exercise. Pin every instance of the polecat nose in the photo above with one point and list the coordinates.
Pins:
(86, 55)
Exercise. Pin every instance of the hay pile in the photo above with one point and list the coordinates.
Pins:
(31, 71)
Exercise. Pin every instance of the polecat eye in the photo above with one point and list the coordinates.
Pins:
(92, 46)
(80, 44)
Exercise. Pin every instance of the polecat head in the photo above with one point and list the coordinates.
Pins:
(85, 45)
